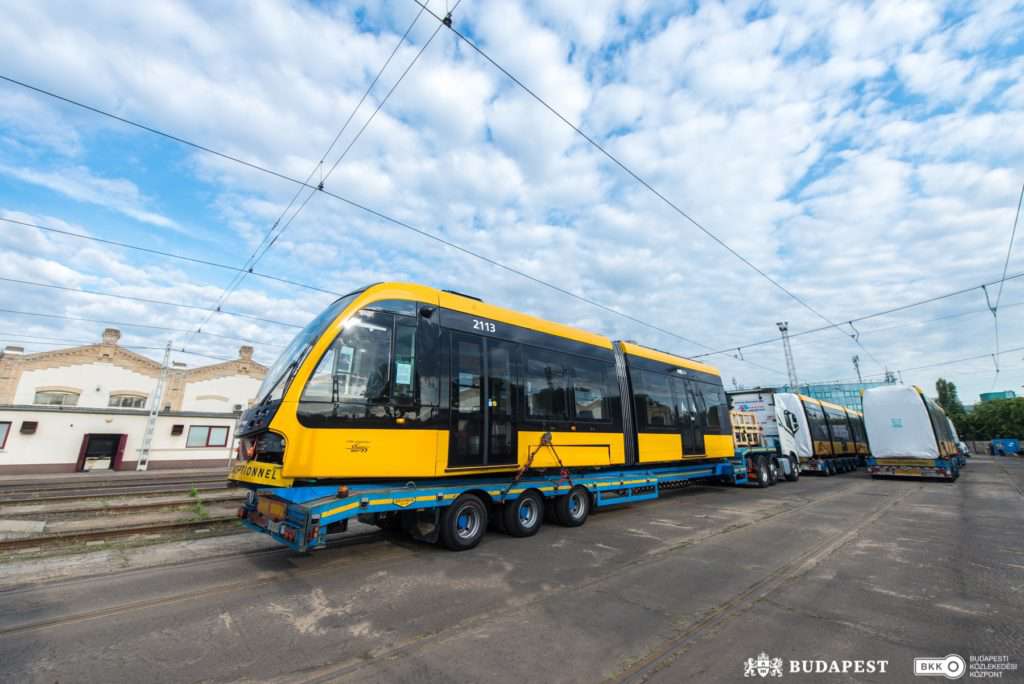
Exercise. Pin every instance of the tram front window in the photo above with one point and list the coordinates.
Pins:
(276, 380)
(353, 375)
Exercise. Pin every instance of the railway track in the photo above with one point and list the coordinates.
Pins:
(87, 481)
(49, 508)
(92, 493)
(66, 538)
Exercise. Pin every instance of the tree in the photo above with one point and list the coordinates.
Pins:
(994, 419)
(950, 401)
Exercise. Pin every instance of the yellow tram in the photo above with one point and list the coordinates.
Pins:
(406, 381)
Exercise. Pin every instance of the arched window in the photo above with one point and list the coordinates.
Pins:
(56, 398)
(127, 400)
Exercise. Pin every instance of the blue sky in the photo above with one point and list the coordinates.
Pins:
(864, 155)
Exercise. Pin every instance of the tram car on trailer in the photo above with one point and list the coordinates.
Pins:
(910, 435)
(826, 438)
(408, 384)
(405, 381)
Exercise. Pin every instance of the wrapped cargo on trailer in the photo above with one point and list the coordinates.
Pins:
(825, 438)
(909, 434)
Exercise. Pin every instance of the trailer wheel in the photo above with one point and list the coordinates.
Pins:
(827, 472)
(463, 523)
(763, 477)
(524, 516)
(573, 508)
(794, 470)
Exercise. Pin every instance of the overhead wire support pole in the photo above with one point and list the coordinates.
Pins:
(154, 411)
(790, 363)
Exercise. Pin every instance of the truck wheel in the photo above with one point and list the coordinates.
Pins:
(773, 470)
(524, 516)
(794, 470)
(573, 508)
(463, 523)
(763, 478)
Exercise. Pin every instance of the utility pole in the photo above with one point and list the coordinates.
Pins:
(794, 384)
(154, 411)
(856, 367)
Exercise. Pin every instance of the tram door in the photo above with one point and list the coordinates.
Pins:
(689, 414)
(481, 431)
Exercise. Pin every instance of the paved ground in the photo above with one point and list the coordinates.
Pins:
(685, 588)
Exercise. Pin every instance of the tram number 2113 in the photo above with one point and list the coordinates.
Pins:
(484, 326)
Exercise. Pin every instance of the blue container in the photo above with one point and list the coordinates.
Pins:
(1005, 447)
(1005, 394)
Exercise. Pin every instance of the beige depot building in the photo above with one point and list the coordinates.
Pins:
(86, 408)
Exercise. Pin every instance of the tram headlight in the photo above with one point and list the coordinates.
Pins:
(266, 447)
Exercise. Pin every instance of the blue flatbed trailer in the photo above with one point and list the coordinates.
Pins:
(301, 517)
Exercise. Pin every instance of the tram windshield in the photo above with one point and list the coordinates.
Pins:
(276, 380)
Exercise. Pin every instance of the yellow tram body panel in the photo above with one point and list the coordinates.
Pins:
(718, 446)
(633, 349)
(362, 452)
(420, 452)
(653, 447)
(574, 449)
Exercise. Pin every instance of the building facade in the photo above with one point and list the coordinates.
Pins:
(86, 408)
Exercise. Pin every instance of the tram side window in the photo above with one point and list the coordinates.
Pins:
(686, 410)
(654, 396)
(714, 401)
(856, 429)
(590, 390)
(403, 390)
(816, 422)
(837, 421)
(354, 374)
(546, 387)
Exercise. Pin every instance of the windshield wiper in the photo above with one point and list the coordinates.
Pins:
(287, 372)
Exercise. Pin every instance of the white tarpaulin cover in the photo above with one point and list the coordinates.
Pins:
(897, 423)
(794, 433)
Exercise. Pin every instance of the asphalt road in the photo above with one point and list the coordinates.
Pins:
(685, 588)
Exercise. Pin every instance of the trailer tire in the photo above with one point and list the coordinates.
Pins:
(794, 470)
(761, 466)
(573, 508)
(829, 470)
(523, 517)
(463, 523)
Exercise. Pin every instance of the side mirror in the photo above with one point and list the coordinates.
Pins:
(427, 311)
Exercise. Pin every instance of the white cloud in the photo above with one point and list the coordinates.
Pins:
(79, 183)
(862, 153)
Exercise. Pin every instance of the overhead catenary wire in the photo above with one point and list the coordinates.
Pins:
(269, 239)
(169, 255)
(352, 203)
(938, 364)
(145, 300)
(1009, 248)
(994, 308)
(446, 21)
(42, 339)
(865, 317)
(144, 326)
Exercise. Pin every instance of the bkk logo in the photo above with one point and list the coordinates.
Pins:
(766, 666)
(950, 667)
